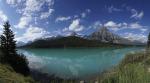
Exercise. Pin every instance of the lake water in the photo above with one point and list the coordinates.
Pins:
(75, 62)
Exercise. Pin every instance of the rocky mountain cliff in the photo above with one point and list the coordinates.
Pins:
(104, 35)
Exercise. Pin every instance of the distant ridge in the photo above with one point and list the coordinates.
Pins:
(100, 38)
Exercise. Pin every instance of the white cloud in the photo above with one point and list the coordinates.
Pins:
(14, 2)
(112, 25)
(1, 27)
(143, 30)
(96, 25)
(32, 33)
(3, 17)
(45, 15)
(32, 6)
(24, 22)
(63, 18)
(113, 9)
(136, 14)
(35, 6)
(76, 26)
(29, 9)
(136, 37)
(65, 29)
(119, 26)
(82, 15)
(136, 25)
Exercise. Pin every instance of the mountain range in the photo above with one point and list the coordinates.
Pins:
(102, 37)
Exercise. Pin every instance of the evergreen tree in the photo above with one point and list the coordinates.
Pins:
(8, 44)
(148, 43)
(10, 56)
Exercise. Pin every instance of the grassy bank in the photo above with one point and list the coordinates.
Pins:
(8, 75)
(134, 68)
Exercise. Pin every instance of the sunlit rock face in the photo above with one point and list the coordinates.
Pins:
(104, 35)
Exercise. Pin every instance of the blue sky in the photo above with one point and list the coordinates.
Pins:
(32, 19)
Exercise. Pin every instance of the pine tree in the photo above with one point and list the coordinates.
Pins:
(10, 56)
(8, 44)
(148, 43)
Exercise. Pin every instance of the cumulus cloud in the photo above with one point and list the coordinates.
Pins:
(32, 33)
(136, 14)
(144, 30)
(82, 15)
(35, 6)
(135, 25)
(14, 2)
(119, 26)
(62, 18)
(136, 37)
(76, 26)
(112, 25)
(30, 9)
(65, 29)
(24, 22)
(32, 6)
(45, 15)
(96, 25)
(138, 26)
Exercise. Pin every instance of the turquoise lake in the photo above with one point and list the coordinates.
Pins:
(75, 62)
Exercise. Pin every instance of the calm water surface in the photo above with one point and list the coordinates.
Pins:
(75, 62)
